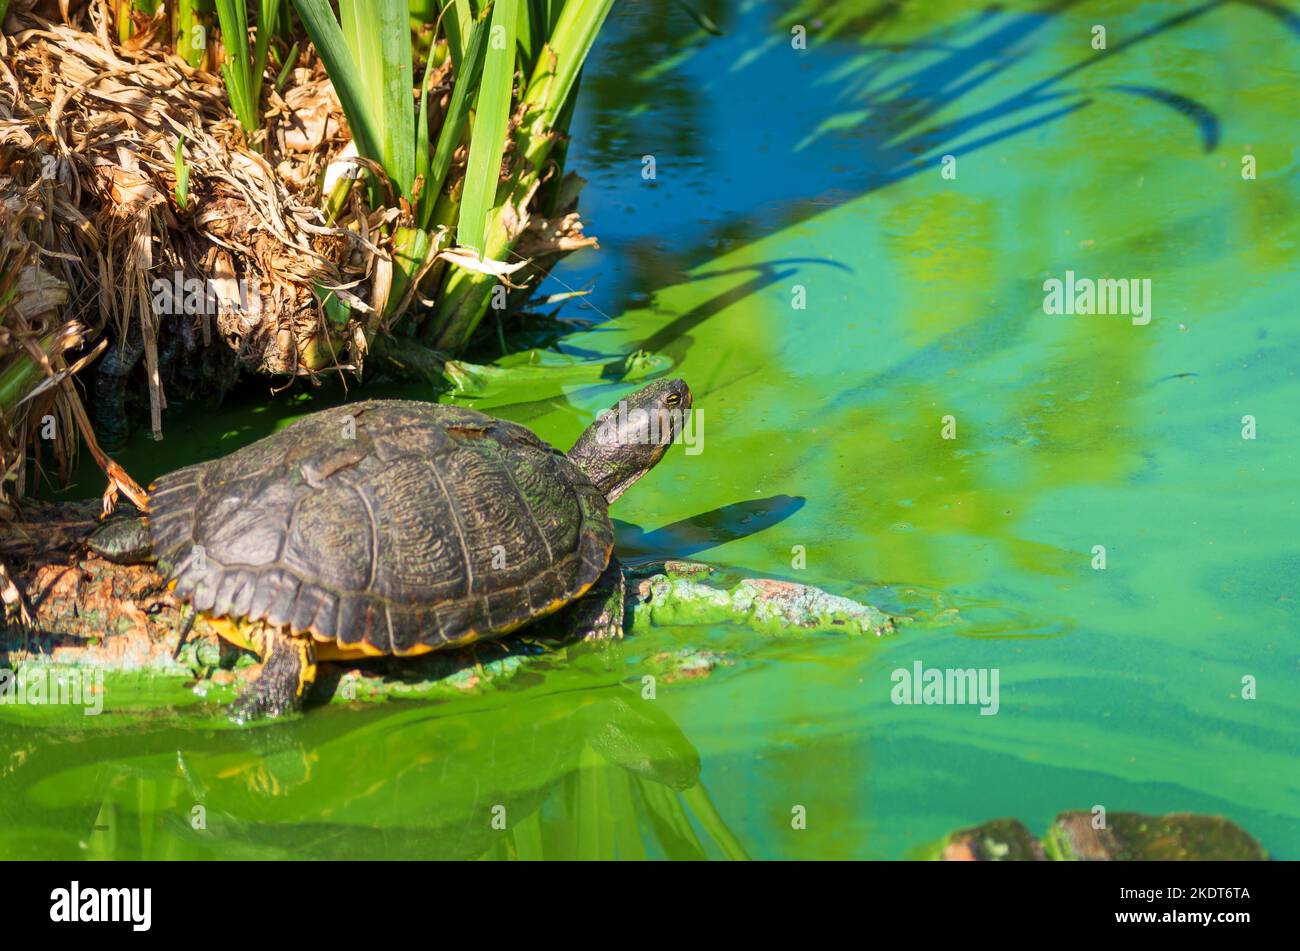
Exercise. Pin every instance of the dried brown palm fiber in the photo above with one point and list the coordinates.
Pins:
(113, 118)
(34, 333)
(13, 603)
(543, 241)
(38, 401)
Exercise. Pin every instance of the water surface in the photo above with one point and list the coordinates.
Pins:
(818, 173)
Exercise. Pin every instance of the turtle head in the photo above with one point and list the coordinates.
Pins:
(626, 440)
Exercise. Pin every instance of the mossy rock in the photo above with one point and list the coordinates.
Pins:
(766, 605)
(1001, 840)
(1134, 837)
(1128, 837)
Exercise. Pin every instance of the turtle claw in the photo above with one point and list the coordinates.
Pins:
(261, 702)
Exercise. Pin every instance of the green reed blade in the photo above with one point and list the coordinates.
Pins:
(453, 126)
(327, 36)
(237, 68)
(491, 120)
(367, 53)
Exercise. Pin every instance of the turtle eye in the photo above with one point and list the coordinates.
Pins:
(672, 399)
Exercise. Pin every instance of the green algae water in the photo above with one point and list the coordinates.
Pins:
(844, 249)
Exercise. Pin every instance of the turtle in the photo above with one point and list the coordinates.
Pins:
(396, 527)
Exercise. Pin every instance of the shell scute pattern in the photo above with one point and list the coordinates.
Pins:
(390, 526)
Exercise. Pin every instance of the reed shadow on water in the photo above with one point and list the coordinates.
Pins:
(892, 123)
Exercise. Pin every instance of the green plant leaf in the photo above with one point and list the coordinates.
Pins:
(237, 68)
(367, 53)
(422, 134)
(268, 15)
(453, 125)
(555, 75)
(182, 176)
(398, 81)
(327, 36)
(491, 120)
(244, 69)
(456, 24)
(290, 60)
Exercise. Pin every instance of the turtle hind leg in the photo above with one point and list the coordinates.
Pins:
(288, 670)
(598, 614)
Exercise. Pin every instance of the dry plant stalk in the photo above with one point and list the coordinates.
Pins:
(104, 123)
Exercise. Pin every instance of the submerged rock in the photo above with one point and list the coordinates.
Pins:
(1134, 837)
(689, 663)
(1128, 837)
(1002, 840)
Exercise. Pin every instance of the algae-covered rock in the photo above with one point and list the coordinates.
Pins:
(689, 663)
(438, 675)
(672, 567)
(768, 606)
(1134, 837)
(1002, 840)
(1127, 837)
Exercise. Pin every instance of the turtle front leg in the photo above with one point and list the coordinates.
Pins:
(598, 614)
(288, 670)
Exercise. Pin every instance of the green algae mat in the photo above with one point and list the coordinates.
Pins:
(991, 319)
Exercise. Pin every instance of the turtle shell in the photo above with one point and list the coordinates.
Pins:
(388, 526)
